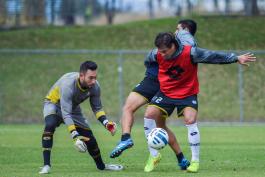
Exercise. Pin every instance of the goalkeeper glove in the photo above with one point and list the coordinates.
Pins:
(111, 127)
(78, 142)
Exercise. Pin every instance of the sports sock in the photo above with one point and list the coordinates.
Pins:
(194, 141)
(47, 142)
(93, 150)
(150, 124)
(125, 136)
(180, 156)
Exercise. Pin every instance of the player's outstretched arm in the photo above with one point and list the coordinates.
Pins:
(109, 125)
(246, 58)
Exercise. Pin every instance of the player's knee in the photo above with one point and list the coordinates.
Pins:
(92, 146)
(50, 124)
(49, 127)
(129, 108)
(189, 120)
(152, 113)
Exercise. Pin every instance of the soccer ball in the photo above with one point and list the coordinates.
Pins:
(157, 138)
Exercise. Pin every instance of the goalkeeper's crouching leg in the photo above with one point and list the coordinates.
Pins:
(92, 147)
(47, 138)
(47, 141)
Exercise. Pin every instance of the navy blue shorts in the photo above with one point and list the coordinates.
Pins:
(167, 105)
(148, 87)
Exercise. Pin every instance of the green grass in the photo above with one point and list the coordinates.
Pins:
(25, 79)
(225, 152)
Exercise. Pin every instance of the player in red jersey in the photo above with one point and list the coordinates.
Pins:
(179, 85)
(142, 94)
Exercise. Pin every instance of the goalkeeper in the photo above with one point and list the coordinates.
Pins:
(61, 105)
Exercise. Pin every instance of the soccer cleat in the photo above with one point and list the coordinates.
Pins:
(45, 169)
(113, 167)
(184, 164)
(122, 145)
(194, 167)
(152, 162)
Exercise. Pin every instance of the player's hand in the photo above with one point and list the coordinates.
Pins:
(78, 142)
(111, 127)
(246, 58)
(80, 145)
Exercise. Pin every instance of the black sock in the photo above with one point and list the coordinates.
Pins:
(93, 150)
(180, 156)
(125, 136)
(47, 141)
(99, 162)
(47, 157)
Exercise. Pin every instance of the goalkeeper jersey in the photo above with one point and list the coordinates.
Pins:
(67, 95)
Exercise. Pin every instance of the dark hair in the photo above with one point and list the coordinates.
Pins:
(190, 24)
(88, 65)
(165, 39)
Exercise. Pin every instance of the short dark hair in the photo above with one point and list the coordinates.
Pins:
(190, 24)
(88, 65)
(165, 39)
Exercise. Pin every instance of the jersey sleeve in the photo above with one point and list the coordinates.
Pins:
(96, 105)
(151, 58)
(186, 38)
(95, 101)
(199, 55)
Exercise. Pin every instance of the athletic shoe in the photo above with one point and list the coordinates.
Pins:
(45, 169)
(113, 167)
(152, 162)
(122, 145)
(194, 167)
(184, 164)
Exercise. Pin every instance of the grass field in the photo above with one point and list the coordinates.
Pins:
(225, 151)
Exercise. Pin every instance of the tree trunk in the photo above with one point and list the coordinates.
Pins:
(216, 5)
(227, 7)
(189, 7)
(68, 12)
(52, 12)
(177, 5)
(2, 12)
(110, 11)
(151, 9)
(251, 7)
(94, 8)
(159, 4)
(34, 12)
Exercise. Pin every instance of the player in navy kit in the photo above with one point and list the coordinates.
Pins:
(179, 84)
(142, 94)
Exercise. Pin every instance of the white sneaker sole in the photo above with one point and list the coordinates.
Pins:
(45, 170)
(113, 167)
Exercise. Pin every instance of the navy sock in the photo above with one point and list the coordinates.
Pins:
(180, 156)
(125, 136)
(93, 150)
(47, 157)
(47, 142)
